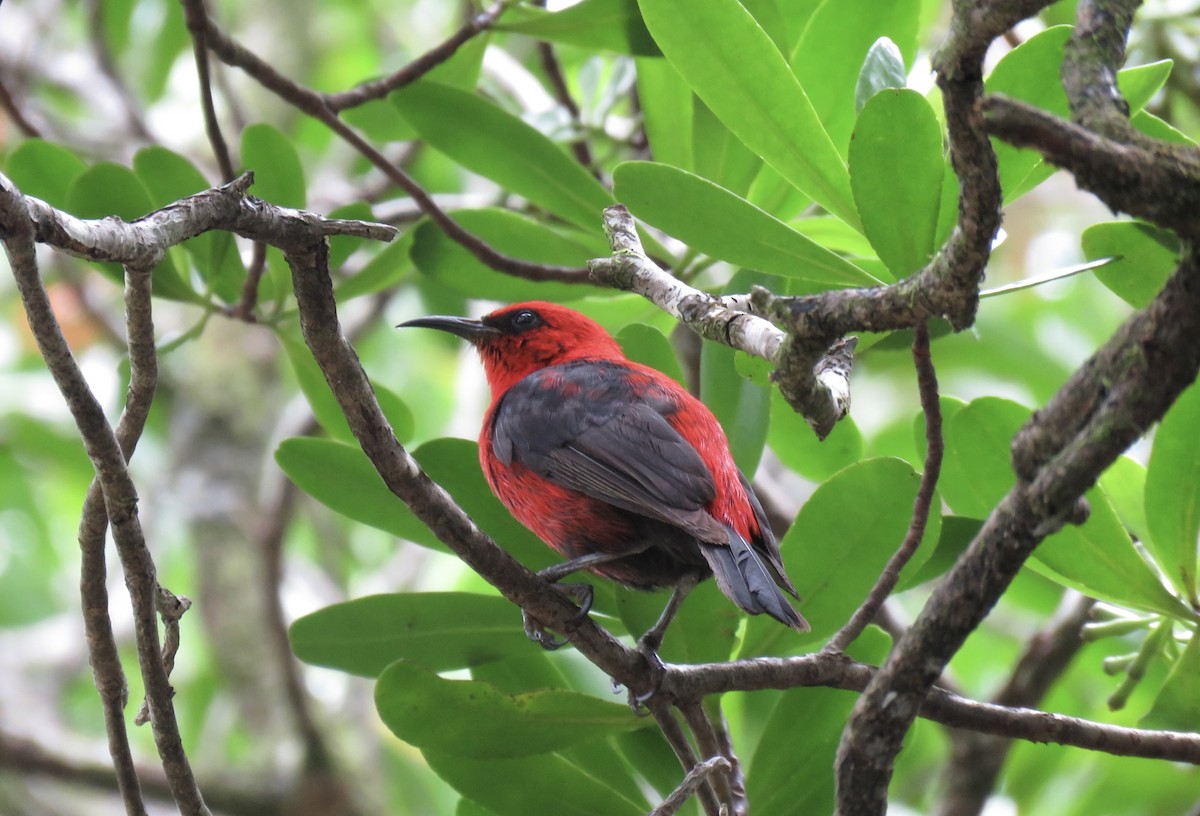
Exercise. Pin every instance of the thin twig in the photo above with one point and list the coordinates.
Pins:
(9, 105)
(579, 146)
(677, 739)
(928, 387)
(705, 736)
(379, 88)
(691, 784)
(212, 126)
(317, 106)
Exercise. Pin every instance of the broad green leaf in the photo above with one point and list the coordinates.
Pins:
(1125, 485)
(170, 177)
(977, 470)
(1099, 559)
(497, 145)
(325, 406)
(719, 155)
(612, 25)
(452, 265)
(475, 720)
(882, 69)
(386, 269)
(829, 57)
(1030, 72)
(439, 630)
(1145, 257)
(341, 477)
(770, 19)
(454, 464)
(107, 189)
(724, 225)
(794, 442)
(896, 168)
(44, 170)
(648, 346)
(547, 783)
(1177, 707)
(1173, 494)
(772, 192)
(957, 534)
(1152, 126)
(667, 107)
(790, 776)
(838, 545)
(732, 65)
(742, 407)
(278, 174)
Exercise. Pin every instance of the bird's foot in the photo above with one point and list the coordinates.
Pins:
(648, 648)
(536, 631)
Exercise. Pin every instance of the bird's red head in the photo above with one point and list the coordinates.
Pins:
(517, 340)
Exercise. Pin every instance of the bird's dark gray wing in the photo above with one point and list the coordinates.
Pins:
(612, 445)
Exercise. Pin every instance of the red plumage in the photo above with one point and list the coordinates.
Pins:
(597, 454)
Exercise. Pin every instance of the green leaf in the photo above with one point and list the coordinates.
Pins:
(1125, 485)
(342, 478)
(472, 719)
(325, 406)
(794, 442)
(278, 174)
(1099, 559)
(454, 464)
(439, 630)
(742, 407)
(882, 69)
(1177, 706)
(547, 783)
(107, 189)
(386, 269)
(1173, 494)
(449, 263)
(44, 170)
(724, 225)
(866, 509)
(790, 776)
(896, 168)
(720, 156)
(1146, 257)
(732, 65)
(613, 25)
(648, 346)
(977, 471)
(170, 177)
(957, 534)
(497, 145)
(1030, 72)
(829, 57)
(667, 112)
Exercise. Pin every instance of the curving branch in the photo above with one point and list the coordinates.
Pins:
(818, 387)
(320, 107)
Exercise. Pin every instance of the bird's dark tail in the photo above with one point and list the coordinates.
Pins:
(746, 580)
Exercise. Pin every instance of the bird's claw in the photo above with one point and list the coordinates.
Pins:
(535, 630)
(648, 648)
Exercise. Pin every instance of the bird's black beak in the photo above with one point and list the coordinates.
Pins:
(464, 327)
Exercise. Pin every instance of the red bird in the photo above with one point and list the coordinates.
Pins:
(615, 465)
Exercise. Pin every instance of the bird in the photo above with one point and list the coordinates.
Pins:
(616, 466)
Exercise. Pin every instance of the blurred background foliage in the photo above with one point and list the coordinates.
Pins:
(113, 125)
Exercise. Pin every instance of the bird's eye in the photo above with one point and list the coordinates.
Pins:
(525, 319)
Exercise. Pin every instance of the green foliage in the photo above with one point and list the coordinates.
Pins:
(768, 142)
